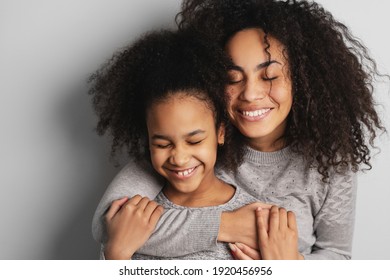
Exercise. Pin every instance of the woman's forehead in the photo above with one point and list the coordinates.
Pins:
(250, 46)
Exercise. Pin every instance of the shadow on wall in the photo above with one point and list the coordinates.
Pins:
(91, 168)
(75, 240)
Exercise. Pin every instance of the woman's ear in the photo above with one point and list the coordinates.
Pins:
(221, 134)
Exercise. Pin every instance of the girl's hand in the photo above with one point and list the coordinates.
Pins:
(130, 222)
(240, 224)
(280, 242)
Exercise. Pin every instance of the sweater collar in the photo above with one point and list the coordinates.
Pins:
(255, 156)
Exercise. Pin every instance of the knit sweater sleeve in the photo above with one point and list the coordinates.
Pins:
(334, 223)
(140, 178)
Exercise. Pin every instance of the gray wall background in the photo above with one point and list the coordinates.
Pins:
(54, 169)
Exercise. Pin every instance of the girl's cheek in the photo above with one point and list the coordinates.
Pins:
(209, 151)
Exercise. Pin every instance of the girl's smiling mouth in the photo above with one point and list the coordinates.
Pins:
(183, 173)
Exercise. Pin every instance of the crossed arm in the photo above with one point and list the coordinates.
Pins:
(131, 222)
(245, 227)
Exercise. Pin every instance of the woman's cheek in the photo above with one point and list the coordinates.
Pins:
(231, 91)
(281, 92)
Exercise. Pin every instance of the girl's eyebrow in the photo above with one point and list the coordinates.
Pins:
(192, 133)
(257, 68)
(158, 136)
(195, 132)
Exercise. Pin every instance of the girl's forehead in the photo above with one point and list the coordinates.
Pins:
(177, 100)
(176, 116)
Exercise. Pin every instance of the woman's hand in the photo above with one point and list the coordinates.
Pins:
(278, 239)
(280, 242)
(130, 222)
(240, 224)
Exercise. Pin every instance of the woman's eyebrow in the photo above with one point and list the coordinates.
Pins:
(265, 64)
(236, 67)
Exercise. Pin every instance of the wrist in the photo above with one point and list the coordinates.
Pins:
(223, 234)
(112, 252)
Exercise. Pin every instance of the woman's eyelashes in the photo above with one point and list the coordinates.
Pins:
(270, 74)
(236, 78)
(269, 78)
(234, 82)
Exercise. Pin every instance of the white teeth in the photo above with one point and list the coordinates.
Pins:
(185, 172)
(255, 113)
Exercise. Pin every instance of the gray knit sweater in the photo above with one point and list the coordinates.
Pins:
(325, 211)
(218, 252)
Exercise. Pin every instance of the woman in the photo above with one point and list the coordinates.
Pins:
(300, 93)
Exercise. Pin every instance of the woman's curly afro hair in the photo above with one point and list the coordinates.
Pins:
(155, 67)
(333, 120)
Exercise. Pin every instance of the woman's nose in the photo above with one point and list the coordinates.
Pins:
(255, 90)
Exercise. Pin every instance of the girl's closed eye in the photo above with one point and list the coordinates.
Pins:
(195, 142)
(162, 145)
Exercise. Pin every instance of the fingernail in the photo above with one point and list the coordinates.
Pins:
(259, 209)
(239, 245)
(232, 247)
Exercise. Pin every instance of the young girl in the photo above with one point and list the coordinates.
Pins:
(171, 104)
(300, 93)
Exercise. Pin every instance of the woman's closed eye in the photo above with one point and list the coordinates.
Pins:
(235, 77)
(270, 73)
(231, 82)
(269, 78)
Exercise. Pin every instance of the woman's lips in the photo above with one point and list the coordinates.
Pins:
(255, 115)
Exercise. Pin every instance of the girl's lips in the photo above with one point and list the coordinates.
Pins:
(254, 115)
(183, 173)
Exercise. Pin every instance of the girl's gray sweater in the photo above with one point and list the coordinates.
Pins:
(218, 252)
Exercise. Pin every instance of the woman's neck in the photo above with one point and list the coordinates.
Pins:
(272, 142)
(264, 145)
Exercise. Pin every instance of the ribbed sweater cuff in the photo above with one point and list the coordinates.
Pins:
(207, 230)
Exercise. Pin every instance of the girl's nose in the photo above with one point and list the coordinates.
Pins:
(179, 156)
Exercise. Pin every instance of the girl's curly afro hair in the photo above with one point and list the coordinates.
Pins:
(333, 120)
(155, 67)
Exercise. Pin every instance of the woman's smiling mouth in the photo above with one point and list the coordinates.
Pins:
(254, 115)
